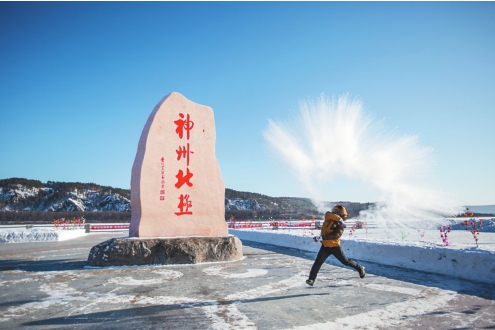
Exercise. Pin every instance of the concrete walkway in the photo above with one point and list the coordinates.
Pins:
(46, 286)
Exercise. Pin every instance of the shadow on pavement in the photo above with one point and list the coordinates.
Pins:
(149, 311)
(16, 303)
(41, 265)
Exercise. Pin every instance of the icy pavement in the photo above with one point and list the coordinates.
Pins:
(46, 285)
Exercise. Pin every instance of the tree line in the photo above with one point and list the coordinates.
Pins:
(277, 208)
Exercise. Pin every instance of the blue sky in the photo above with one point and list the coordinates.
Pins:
(80, 79)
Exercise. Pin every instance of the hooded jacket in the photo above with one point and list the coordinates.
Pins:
(330, 233)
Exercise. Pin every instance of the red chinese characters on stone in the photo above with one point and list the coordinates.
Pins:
(162, 190)
(184, 124)
(181, 178)
(184, 205)
(184, 152)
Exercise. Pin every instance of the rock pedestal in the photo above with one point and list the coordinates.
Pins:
(164, 251)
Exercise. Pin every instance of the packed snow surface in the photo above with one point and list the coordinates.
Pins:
(37, 234)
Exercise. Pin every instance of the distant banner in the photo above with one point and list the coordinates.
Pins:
(272, 224)
(107, 227)
(245, 225)
(287, 224)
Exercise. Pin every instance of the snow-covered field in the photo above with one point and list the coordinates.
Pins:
(21, 234)
(419, 250)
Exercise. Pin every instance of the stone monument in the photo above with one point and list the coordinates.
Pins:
(177, 193)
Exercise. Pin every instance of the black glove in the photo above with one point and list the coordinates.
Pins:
(317, 238)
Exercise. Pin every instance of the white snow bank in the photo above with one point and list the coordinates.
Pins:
(463, 262)
(19, 235)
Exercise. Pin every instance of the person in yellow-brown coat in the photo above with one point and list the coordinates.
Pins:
(332, 229)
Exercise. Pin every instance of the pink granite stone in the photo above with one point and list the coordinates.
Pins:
(176, 184)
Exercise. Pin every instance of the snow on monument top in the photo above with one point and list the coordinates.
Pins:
(176, 184)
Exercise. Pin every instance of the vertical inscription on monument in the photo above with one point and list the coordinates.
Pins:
(185, 201)
(162, 180)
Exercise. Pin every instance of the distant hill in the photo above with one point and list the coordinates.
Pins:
(19, 196)
(481, 209)
(283, 207)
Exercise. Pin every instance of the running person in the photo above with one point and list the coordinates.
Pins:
(332, 229)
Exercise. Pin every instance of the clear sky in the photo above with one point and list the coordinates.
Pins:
(79, 80)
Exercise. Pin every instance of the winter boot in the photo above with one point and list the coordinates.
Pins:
(310, 282)
(361, 271)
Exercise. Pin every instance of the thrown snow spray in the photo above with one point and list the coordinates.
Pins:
(332, 138)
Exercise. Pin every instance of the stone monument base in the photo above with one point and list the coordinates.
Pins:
(164, 251)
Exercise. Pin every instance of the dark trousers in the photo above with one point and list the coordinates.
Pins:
(324, 253)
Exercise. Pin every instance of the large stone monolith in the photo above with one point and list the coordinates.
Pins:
(177, 193)
(176, 185)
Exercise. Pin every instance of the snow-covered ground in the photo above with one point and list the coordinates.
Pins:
(422, 250)
(21, 234)
(408, 248)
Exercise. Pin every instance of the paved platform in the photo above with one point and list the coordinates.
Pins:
(46, 285)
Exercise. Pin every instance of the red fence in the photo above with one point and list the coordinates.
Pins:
(272, 224)
(245, 225)
(234, 225)
(287, 224)
(109, 227)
